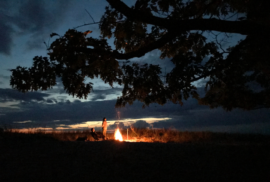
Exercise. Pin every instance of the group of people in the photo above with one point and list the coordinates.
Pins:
(104, 131)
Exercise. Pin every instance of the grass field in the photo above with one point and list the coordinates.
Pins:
(193, 156)
(153, 135)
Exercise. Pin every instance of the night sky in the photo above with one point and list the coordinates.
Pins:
(26, 25)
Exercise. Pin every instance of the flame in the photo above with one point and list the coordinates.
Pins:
(117, 135)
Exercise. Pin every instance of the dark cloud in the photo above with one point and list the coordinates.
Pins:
(141, 124)
(51, 101)
(98, 97)
(10, 94)
(3, 77)
(61, 98)
(153, 58)
(36, 43)
(45, 114)
(94, 95)
(186, 117)
(5, 36)
(208, 118)
(102, 94)
(58, 88)
(120, 125)
(37, 18)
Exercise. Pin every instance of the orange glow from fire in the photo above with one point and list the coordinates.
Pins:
(117, 135)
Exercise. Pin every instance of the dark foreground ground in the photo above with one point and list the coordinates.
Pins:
(45, 159)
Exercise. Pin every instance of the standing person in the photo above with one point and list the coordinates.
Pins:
(104, 127)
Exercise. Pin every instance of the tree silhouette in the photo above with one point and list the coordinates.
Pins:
(235, 77)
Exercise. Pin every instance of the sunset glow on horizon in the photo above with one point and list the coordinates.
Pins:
(87, 124)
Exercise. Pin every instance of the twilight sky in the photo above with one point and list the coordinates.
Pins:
(26, 25)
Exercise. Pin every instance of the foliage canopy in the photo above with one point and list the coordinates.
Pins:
(234, 77)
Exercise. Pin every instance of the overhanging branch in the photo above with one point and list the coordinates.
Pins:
(241, 27)
(139, 53)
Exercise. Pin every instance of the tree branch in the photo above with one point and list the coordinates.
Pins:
(139, 53)
(90, 15)
(242, 27)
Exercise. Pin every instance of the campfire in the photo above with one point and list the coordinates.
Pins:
(118, 135)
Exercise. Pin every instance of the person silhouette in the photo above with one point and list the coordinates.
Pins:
(94, 134)
(104, 127)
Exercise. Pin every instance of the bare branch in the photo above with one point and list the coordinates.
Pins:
(86, 25)
(218, 43)
(90, 15)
